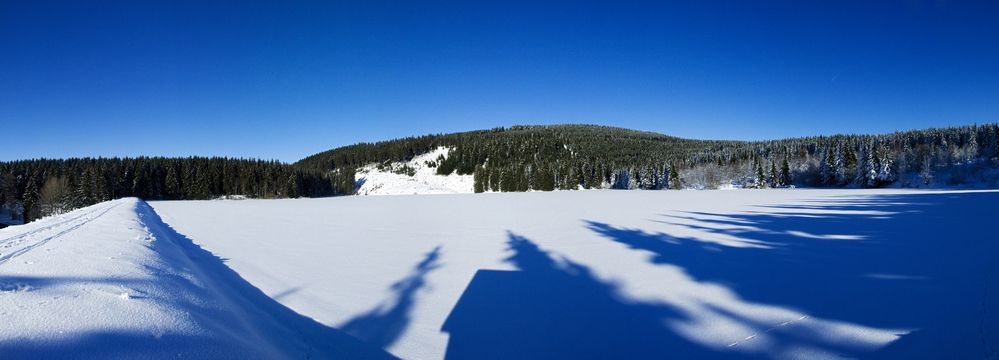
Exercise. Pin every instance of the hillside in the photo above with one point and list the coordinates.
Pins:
(522, 158)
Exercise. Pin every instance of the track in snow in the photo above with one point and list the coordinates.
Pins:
(14, 246)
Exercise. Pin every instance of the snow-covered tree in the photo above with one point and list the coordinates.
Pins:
(761, 177)
(886, 168)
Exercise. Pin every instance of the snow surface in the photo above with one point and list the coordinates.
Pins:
(616, 274)
(372, 181)
(112, 281)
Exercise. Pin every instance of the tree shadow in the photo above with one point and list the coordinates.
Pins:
(557, 309)
(919, 262)
(383, 325)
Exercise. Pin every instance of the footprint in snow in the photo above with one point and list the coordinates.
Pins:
(10, 288)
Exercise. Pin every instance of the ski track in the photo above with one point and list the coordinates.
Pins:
(63, 228)
(772, 328)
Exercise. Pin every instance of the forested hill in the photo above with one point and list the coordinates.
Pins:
(521, 158)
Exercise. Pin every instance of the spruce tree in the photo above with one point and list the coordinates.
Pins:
(293, 186)
(849, 165)
(172, 183)
(773, 178)
(761, 176)
(675, 182)
(479, 179)
(785, 173)
(30, 201)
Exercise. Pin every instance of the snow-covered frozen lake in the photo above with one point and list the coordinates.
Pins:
(578, 274)
(626, 274)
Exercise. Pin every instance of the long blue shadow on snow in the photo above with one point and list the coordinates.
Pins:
(291, 334)
(909, 261)
(383, 325)
(557, 309)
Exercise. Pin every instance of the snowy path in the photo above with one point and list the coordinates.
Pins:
(113, 281)
(626, 274)
(17, 245)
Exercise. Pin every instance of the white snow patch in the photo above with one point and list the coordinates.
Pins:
(373, 181)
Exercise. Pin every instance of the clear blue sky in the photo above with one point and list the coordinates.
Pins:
(288, 79)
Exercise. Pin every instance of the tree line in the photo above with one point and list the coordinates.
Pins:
(522, 158)
(41, 187)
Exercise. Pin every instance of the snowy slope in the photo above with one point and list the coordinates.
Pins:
(112, 281)
(373, 181)
(625, 274)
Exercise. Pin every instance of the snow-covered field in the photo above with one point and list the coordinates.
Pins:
(626, 274)
(424, 179)
(572, 274)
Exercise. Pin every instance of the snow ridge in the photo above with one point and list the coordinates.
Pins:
(126, 285)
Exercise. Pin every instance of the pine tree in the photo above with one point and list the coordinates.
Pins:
(785, 173)
(971, 151)
(173, 185)
(838, 171)
(849, 165)
(872, 166)
(761, 176)
(479, 179)
(773, 178)
(675, 182)
(826, 174)
(886, 169)
(30, 201)
(293, 186)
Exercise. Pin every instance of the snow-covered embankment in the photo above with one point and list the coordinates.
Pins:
(113, 281)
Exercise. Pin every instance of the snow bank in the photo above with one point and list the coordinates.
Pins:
(112, 281)
(372, 181)
(626, 274)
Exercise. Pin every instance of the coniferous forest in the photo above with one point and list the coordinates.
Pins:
(522, 158)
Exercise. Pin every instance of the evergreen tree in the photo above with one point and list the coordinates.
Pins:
(886, 168)
(173, 189)
(872, 166)
(849, 165)
(773, 178)
(761, 176)
(785, 173)
(675, 182)
(971, 151)
(838, 171)
(826, 172)
(293, 187)
(30, 201)
(480, 179)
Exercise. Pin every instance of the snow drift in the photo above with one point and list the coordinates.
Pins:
(113, 281)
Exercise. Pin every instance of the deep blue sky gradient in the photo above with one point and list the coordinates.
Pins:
(287, 79)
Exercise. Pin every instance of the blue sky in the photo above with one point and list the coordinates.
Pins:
(287, 79)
